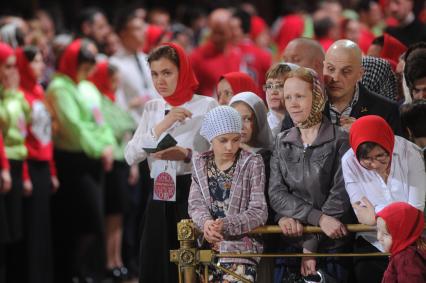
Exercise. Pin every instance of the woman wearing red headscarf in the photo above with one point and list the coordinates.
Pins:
(106, 78)
(39, 170)
(387, 47)
(14, 116)
(83, 150)
(399, 230)
(154, 36)
(379, 169)
(178, 114)
(233, 83)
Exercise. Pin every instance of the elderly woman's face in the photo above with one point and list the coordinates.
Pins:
(224, 92)
(298, 99)
(165, 75)
(226, 146)
(248, 118)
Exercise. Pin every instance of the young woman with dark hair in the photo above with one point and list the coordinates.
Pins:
(178, 113)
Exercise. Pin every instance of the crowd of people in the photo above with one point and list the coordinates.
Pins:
(113, 133)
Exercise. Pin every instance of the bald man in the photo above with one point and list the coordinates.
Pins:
(348, 99)
(305, 52)
(217, 56)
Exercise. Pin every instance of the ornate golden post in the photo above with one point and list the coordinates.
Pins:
(186, 256)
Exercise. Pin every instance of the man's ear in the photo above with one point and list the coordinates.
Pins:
(361, 73)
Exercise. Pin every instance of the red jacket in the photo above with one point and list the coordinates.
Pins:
(38, 140)
(4, 163)
(210, 64)
(255, 62)
(407, 266)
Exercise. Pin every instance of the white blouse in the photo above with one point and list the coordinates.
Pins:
(406, 181)
(274, 123)
(186, 133)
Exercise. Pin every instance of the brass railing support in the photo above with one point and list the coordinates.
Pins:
(186, 256)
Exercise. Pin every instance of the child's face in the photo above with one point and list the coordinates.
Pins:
(383, 235)
(226, 146)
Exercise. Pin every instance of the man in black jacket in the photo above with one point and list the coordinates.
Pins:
(348, 99)
(409, 29)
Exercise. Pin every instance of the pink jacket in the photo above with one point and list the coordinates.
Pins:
(247, 207)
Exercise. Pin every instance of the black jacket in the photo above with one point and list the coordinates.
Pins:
(409, 34)
(369, 103)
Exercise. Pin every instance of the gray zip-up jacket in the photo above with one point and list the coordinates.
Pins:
(308, 182)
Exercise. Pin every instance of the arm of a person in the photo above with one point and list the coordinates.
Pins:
(25, 171)
(92, 138)
(416, 180)
(256, 213)
(282, 201)
(353, 190)
(197, 208)
(134, 152)
(337, 202)
(52, 167)
(4, 162)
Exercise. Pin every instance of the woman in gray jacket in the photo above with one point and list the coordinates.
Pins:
(306, 185)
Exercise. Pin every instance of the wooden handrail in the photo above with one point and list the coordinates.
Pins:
(275, 229)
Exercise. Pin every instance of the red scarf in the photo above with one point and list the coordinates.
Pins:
(372, 128)
(392, 49)
(153, 36)
(257, 26)
(5, 52)
(27, 80)
(405, 224)
(187, 82)
(292, 26)
(68, 62)
(101, 79)
(241, 82)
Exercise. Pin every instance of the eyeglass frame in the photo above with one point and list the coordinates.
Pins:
(381, 158)
(273, 86)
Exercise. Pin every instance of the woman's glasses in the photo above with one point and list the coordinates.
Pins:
(271, 87)
(381, 157)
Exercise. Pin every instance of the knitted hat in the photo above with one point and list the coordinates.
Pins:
(219, 121)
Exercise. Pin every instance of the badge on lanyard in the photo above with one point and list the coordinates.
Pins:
(164, 175)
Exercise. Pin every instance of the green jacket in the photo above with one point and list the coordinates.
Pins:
(78, 123)
(14, 117)
(121, 122)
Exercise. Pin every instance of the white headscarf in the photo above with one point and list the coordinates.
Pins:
(263, 138)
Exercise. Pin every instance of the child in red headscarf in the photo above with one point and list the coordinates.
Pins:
(399, 230)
